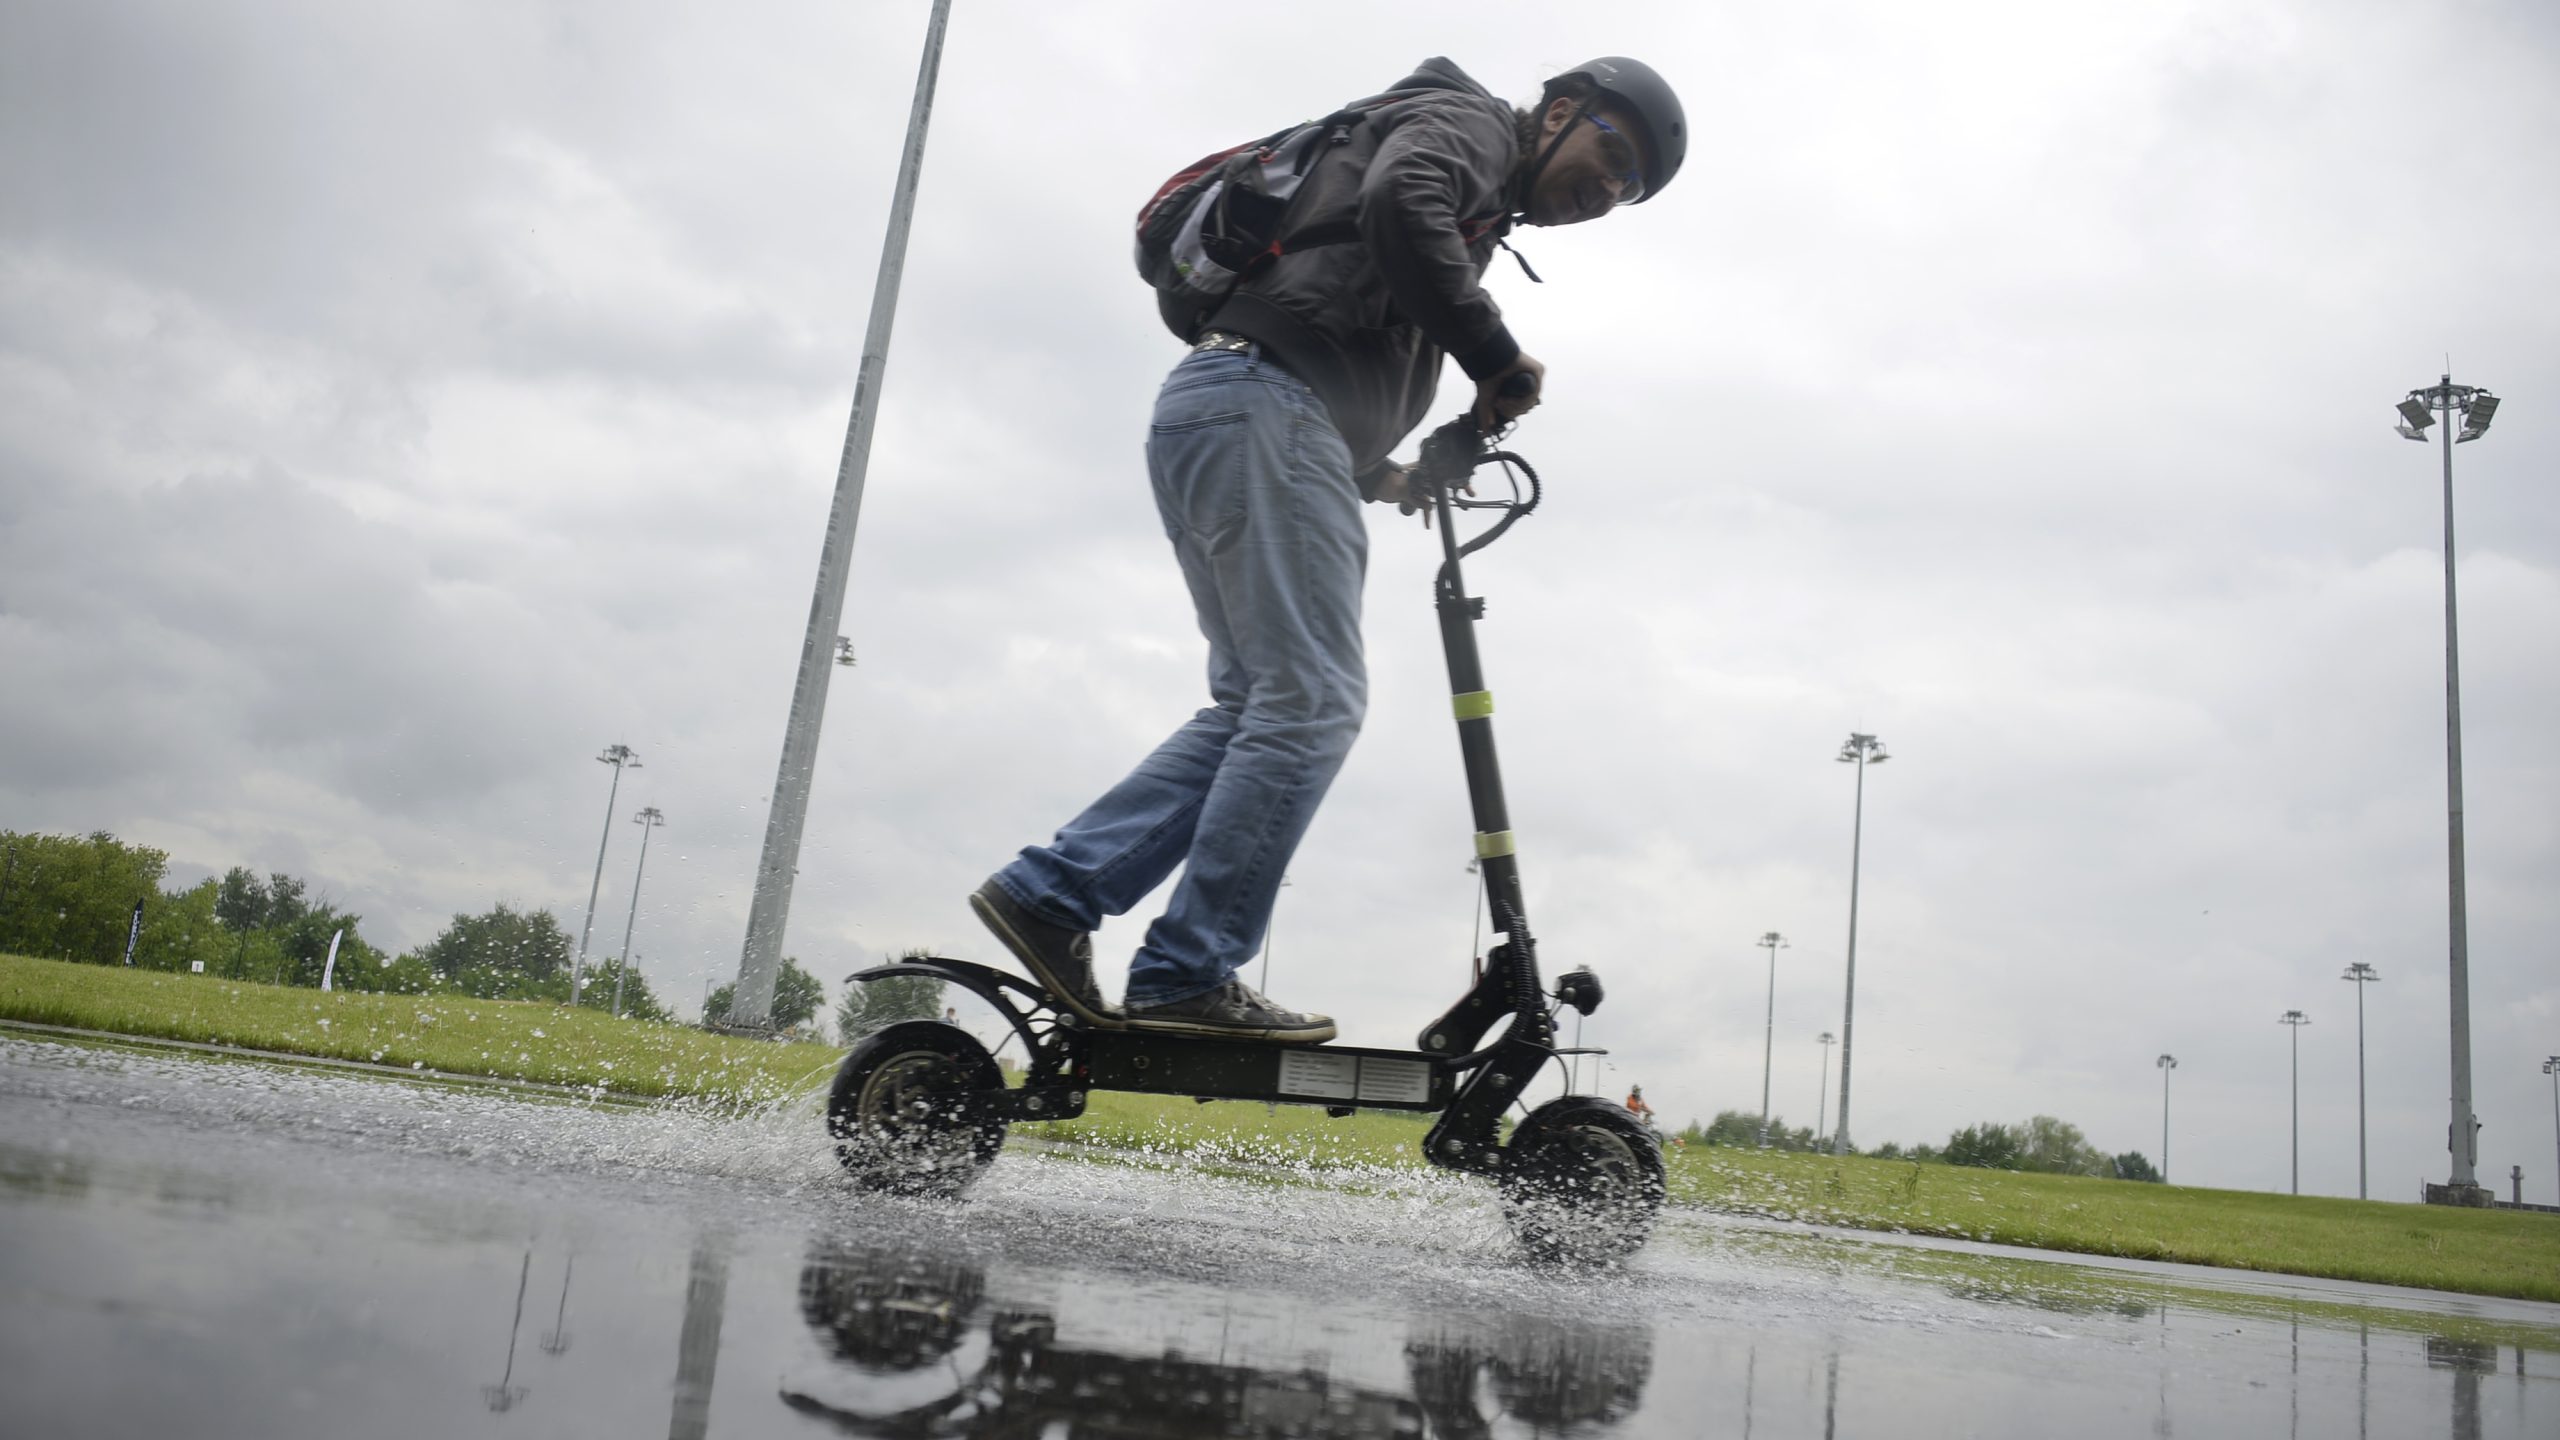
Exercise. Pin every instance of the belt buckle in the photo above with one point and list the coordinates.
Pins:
(1221, 340)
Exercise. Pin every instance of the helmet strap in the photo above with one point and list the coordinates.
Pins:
(1538, 167)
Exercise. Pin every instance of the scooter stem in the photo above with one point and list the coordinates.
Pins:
(1472, 704)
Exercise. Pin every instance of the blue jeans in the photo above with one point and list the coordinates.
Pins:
(1254, 486)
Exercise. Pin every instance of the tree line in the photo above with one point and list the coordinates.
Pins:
(67, 897)
(2041, 1144)
(72, 897)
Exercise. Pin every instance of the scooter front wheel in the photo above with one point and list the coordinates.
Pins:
(903, 1109)
(1582, 1181)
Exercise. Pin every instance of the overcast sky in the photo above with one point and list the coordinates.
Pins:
(400, 404)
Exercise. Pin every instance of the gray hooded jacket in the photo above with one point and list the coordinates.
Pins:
(1425, 179)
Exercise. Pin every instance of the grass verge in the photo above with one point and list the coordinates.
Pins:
(508, 1039)
(2479, 1252)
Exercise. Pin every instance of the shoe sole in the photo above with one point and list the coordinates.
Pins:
(1024, 951)
(1275, 1035)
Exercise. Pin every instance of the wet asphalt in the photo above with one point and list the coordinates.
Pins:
(208, 1248)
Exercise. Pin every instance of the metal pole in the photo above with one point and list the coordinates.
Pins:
(1769, 1030)
(1858, 749)
(760, 962)
(2166, 1063)
(647, 820)
(2362, 974)
(1822, 1104)
(616, 756)
(2551, 1067)
(2462, 1137)
(2294, 1020)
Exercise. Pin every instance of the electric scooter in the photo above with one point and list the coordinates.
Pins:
(921, 1106)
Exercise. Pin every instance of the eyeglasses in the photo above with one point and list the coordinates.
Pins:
(1622, 152)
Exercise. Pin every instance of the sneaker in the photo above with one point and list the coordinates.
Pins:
(1059, 958)
(1233, 1011)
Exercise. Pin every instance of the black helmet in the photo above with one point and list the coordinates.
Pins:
(1635, 87)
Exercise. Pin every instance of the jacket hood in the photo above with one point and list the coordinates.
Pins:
(1441, 73)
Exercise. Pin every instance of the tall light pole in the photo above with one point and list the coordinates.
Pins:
(2476, 407)
(760, 962)
(2551, 1067)
(1772, 942)
(2166, 1063)
(647, 820)
(1861, 751)
(2362, 975)
(1822, 1093)
(621, 758)
(2294, 1020)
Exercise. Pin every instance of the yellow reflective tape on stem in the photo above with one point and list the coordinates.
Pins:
(1497, 843)
(1473, 705)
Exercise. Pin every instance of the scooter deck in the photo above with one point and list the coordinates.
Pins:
(1330, 1075)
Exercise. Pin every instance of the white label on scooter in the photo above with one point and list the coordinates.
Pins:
(1408, 1081)
(1305, 1072)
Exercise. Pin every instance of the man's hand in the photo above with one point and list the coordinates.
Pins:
(1494, 409)
(1397, 487)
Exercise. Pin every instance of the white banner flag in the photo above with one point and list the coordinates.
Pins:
(330, 967)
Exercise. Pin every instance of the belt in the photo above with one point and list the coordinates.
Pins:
(1222, 340)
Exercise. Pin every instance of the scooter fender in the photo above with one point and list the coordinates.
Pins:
(984, 981)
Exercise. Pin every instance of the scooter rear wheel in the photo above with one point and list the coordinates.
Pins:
(901, 1110)
(1582, 1181)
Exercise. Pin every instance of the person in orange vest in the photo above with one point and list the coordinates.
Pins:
(1644, 1112)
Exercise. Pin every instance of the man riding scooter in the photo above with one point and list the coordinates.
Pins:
(1268, 434)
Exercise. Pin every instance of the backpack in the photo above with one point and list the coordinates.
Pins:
(1227, 214)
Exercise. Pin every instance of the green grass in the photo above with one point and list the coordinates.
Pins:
(512, 1040)
(2502, 1253)
(2480, 1252)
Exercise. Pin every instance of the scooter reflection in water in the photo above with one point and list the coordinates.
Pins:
(933, 1356)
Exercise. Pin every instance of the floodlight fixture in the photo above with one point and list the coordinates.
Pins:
(2415, 418)
(2476, 415)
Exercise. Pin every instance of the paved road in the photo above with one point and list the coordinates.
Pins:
(201, 1248)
